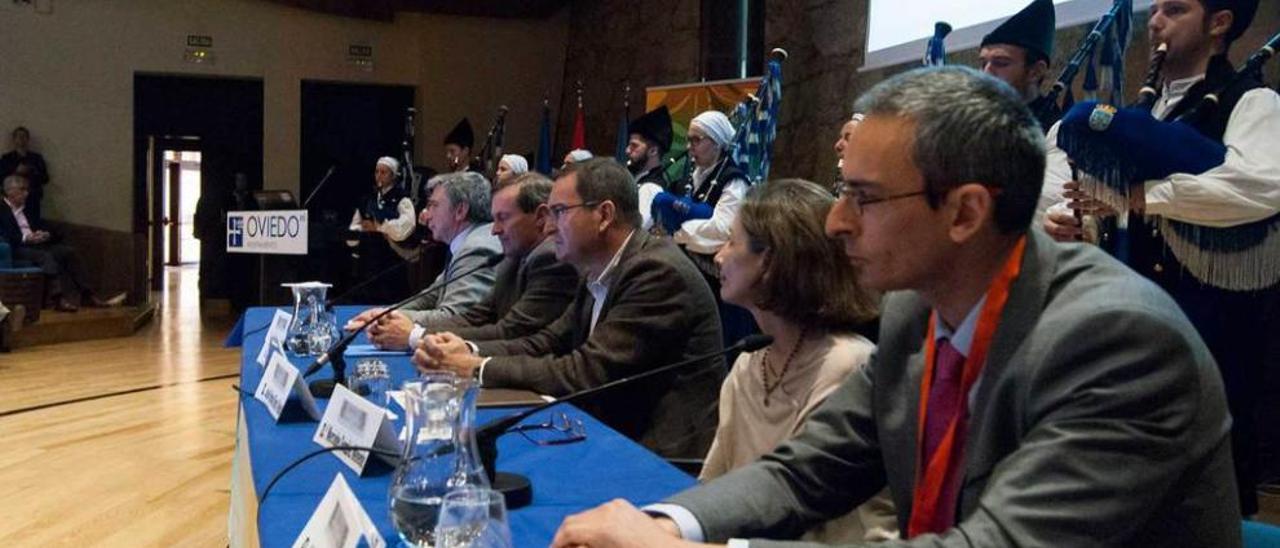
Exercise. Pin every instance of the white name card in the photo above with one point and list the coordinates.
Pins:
(279, 380)
(275, 335)
(354, 421)
(340, 521)
(277, 232)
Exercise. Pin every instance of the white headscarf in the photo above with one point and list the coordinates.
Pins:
(716, 125)
(580, 155)
(516, 162)
(390, 162)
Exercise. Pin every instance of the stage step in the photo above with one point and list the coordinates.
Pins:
(86, 324)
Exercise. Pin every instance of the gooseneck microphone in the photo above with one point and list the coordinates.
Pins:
(334, 353)
(516, 488)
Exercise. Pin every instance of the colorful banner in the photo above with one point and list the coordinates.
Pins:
(688, 100)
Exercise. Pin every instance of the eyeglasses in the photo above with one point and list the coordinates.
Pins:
(695, 140)
(559, 210)
(560, 430)
(842, 189)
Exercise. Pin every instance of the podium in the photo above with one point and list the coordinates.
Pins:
(266, 233)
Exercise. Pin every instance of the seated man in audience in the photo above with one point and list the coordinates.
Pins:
(641, 305)
(458, 214)
(532, 287)
(32, 242)
(1024, 392)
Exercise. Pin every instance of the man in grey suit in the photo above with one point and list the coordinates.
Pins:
(532, 288)
(458, 214)
(642, 305)
(1068, 403)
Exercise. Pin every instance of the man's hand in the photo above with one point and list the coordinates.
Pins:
(38, 237)
(391, 332)
(1078, 200)
(368, 226)
(1065, 226)
(1062, 226)
(446, 351)
(617, 524)
(361, 318)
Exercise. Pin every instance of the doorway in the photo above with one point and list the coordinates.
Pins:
(180, 194)
(192, 137)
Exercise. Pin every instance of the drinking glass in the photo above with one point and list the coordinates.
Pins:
(371, 379)
(473, 517)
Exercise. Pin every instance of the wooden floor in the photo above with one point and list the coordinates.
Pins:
(147, 466)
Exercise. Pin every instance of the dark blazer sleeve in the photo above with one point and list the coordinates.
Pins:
(9, 229)
(556, 338)
(547, 294)
(648, 309)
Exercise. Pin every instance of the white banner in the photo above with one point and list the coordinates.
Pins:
(279, 232)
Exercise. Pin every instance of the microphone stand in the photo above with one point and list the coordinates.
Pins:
(515, 487)
(324, 388)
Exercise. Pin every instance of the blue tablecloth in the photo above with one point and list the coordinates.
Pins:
(566, 478)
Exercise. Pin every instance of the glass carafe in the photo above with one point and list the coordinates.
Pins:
(312, 323)
(438, 454)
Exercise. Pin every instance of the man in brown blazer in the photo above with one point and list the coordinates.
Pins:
(531, 287)
(641, 305)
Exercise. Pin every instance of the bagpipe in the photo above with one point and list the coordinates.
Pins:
(1115, 150)
(755, 121)
(491, 151)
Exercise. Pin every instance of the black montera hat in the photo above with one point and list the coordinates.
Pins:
(1031, 28)
(655, 126)
(461, 135)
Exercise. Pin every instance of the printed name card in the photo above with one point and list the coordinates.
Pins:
(340, 521)
(275, 335)
(354, 421)
(279, 381)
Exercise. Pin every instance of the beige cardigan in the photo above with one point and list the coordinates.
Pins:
(749, 429)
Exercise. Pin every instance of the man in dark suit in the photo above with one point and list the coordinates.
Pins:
(641, 305)
(31, 241)
(1024, 393)
(531, 287)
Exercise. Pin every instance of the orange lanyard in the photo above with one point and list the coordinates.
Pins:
(931, 476)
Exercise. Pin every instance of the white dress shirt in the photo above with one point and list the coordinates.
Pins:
(1243, 189)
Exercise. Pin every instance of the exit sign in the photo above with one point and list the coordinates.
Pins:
(360, 51)
(199, 41)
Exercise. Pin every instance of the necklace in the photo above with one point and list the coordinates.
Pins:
(766, 371)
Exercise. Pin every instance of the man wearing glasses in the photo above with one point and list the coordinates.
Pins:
(641, 305)
(1024, 392)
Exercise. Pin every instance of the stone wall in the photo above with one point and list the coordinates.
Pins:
(612, 42)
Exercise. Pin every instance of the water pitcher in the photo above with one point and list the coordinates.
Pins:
(438, 454)
(312, 324)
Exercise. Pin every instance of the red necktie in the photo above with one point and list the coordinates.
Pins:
(945, 405)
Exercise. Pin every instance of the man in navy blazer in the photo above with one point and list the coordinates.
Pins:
(31, 241)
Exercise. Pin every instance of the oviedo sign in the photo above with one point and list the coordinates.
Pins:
(279, 232)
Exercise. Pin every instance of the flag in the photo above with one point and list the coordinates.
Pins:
(579, 128)
(935, 53)
(758, 125)
(542, 163)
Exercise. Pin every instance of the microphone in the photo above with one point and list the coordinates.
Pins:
(334, 353)
(516, 488)
(319, 185)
